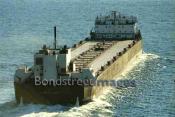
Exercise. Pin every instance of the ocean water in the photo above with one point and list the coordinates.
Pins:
(25, 25)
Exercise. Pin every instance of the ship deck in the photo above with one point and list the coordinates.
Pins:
(82, 48)
(96, 54)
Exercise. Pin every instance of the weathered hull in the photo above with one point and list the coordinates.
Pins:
(30, 93)
(118, 66)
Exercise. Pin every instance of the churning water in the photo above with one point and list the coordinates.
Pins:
(25, 25)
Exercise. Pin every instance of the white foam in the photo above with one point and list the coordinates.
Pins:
(138, 60)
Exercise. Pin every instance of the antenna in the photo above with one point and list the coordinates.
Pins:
(55, 41)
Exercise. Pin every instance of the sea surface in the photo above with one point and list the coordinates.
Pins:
(25, 25)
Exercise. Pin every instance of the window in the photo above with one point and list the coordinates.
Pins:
(63, 70)
(39, 61)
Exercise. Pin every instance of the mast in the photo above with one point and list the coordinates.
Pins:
(55, 41)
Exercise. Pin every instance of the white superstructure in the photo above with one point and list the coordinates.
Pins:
(115, 26)
(49, 64)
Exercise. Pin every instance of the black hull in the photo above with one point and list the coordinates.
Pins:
(30, 93)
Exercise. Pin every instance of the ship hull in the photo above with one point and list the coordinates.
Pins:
(123, 61)
(27, 92)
